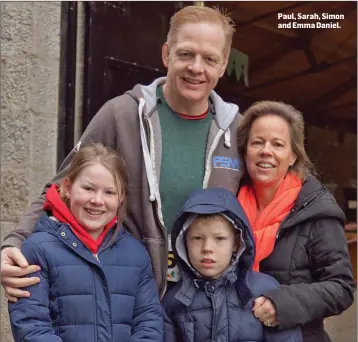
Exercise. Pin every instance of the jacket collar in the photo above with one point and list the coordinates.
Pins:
(190, 286)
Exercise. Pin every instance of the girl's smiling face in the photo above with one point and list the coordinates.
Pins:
(93, 198)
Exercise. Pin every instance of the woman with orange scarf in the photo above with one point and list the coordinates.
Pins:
(297, 224)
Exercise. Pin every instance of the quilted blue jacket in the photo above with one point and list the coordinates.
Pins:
(110, 297)
(200, 309)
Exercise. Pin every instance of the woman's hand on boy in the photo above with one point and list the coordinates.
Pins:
(265, 311)
(13, 267)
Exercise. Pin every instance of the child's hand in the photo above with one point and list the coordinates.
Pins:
(265, 311)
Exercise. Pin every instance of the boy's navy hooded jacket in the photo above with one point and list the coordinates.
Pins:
(199, 309)
(83, 299)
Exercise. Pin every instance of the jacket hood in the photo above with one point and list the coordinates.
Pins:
(314, 202)
(225, 112)
(213, 201)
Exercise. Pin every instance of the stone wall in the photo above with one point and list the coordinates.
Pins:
(30, 46)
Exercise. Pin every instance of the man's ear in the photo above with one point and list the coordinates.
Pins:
(165, 54)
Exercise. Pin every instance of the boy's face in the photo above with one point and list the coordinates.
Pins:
(210, 246)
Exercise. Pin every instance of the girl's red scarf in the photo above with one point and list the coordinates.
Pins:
(266, 224)
(60, 210)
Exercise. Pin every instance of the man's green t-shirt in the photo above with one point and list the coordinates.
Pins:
(183, 158)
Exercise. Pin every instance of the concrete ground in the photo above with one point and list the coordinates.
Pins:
(343, 328)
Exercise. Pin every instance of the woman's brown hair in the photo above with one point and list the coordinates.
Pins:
(303, 165)
(98, 153)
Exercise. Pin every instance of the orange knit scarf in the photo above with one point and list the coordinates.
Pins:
(266, 224)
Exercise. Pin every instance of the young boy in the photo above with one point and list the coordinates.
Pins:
(214, 249)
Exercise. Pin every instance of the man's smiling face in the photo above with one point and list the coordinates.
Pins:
(195, 61)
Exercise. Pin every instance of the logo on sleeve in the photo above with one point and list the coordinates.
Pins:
(221, 162)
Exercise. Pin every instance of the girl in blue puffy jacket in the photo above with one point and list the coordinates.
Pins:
(96, 280)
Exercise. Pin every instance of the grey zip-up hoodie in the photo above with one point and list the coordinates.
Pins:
(130, 125)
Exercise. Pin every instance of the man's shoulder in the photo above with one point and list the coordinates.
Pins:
(122, 104)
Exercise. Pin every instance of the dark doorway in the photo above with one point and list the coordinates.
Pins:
(123, 48)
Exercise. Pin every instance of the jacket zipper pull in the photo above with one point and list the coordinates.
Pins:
(96, 257)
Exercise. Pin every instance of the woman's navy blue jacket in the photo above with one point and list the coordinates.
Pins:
(219, 310)
(82, 299)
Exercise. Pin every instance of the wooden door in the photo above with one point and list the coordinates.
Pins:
(123, 47)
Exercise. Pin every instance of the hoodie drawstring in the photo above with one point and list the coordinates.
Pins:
(146, 154)
(227, 138)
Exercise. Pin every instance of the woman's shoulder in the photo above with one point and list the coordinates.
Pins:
(315, 203)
